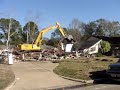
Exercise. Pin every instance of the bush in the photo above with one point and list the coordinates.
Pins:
(105, 46)
(99, 54)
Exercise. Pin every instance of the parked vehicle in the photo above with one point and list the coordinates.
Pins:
(114, 71)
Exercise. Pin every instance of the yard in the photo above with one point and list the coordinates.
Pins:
(6, 76)
(84, 68)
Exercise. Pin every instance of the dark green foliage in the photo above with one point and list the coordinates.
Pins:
(53, 42)
(57, 33)
(32, 29)
(102, 27)
(99, 54)
(89, 29)
(15, 35)
(79, 31)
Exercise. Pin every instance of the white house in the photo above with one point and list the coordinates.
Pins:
(94, 48)
(91, 46)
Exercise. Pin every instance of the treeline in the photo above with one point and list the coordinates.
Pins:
(79, 30)
(17, 33)
(82, 31)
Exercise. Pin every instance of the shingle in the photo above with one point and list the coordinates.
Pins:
(112, 40)
(89, 42)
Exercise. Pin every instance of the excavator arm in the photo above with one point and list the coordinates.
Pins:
(38, 41)
(42, 32)
(37, 44)
(61, 30)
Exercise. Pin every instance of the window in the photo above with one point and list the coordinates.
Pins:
(93, 49)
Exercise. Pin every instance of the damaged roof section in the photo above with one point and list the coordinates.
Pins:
(89, 42)
(112, 40)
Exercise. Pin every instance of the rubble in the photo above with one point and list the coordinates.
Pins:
(47, 54)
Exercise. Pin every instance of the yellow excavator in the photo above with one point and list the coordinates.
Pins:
(36, 45)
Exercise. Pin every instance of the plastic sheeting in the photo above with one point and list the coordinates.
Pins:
(68, 47)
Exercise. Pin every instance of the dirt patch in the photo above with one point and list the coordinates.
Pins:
(6, 76)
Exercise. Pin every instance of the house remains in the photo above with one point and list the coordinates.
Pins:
(90, 46)
(115, 44)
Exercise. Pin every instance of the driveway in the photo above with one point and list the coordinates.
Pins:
(37, 75)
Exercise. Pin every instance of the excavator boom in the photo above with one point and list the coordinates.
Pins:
(37, 44)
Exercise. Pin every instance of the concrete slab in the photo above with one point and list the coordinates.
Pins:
(37, 76)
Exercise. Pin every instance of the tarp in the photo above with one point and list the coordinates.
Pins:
(68, 47)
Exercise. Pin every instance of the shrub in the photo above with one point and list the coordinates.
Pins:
(99, 54)
(105, 46)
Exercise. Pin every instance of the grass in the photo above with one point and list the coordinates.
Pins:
(85, 69)
(6, 76)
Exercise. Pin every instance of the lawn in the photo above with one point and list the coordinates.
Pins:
(85, 69)
(6, 76)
